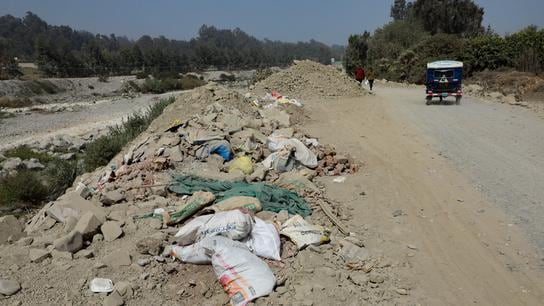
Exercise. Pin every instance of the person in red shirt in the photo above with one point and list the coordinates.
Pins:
(360, 74)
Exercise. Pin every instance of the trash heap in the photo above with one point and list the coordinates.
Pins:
(307, 79)
(215, 181)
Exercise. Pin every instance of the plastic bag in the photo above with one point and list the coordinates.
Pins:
(242, 163)
(264, 240)
(233, 224)
(242, 274)
(201, 252)
(282, 161)
(302, 153)
(303, 233)
(249, 203)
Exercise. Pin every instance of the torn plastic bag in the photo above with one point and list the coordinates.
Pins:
(302, 153)
(243, 275)
(303, 233)
(200, 253)
(281, 161)
(234, 224)
(242, 163)
(264, 240)
(220, 147)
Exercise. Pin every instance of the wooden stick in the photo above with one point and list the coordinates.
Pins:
(326, 209)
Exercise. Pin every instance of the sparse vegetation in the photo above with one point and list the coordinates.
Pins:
(262, 74)
(157, 86)
(14, 102)
(102, 150)
(25, 152)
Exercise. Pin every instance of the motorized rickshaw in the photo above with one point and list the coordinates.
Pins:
(444, 79)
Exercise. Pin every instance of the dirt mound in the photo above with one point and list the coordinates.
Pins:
(308, 79)
(523, 85)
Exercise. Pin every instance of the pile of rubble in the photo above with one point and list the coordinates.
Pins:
(307, 79)
(117, 235)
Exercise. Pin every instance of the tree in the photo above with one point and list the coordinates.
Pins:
(356, 52)
(460, 17)
(399, 10)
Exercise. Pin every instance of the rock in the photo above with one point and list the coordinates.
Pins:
(401, 291)
(118, 258)
(33, 164)
(61, 255)
(124, 289)
(170, 268)
(72, 242)
(70, 224)
(9, 287)
(26, 241)
(38, 255)
(397, 213)
(159, 259)
(355, 241)
(112, 197)
(118, 215)
(67, 156)
(88, 225)
(358, 278)
(352, 253)
(72, 204)
(10, 228)
(111, 230)
(282, 216)
(98, 238)
(11, 164)
(149, 245)
(412, 247)
(84, 254)
(114, 299)
(376, 278)
(315, 249)
(99, 265)
(142, 262)
(47, 223)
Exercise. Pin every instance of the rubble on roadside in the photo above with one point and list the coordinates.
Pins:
(115, 230)
(308, 79)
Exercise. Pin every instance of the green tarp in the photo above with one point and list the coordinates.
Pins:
(272, 198)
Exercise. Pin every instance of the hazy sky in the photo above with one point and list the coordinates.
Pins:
(323, 20)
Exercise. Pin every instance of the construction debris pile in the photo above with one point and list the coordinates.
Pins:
(215, 181)
(308, 79)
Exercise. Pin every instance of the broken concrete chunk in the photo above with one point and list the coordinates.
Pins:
(149, 245)
(111, 230)
(10, 228)
(33, 164)
(84, 254)
(9, 287)
(72, 204)
(72, 242)
(114, 299)
(352, 253)
(61, 255)
(123, 288)
(112, 197)
(88, 225)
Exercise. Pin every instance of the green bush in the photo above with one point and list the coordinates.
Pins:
(59, 175)
(158, 86)
(15, 102)
(39, 87)
(24, 152)
(191, 82)
(25, 187)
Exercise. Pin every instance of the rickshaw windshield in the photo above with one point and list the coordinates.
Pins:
(440, 73)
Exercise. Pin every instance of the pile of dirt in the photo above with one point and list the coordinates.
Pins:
(307, 79)
(115, 223)
(523, 86)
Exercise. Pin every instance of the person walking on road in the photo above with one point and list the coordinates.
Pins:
(370, 77)
(359, 74)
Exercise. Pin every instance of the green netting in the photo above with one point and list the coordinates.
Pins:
(272, 198)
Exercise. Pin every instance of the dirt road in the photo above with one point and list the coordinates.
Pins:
(82, 118)
(450, 194)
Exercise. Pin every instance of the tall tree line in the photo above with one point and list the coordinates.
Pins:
(61, 51)
(427, 30)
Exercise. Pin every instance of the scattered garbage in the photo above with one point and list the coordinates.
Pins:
(264, 240)
(242, 163)
(242, 274)
(272, 198)
(234, 224)
(303, 233)
(101, 285)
